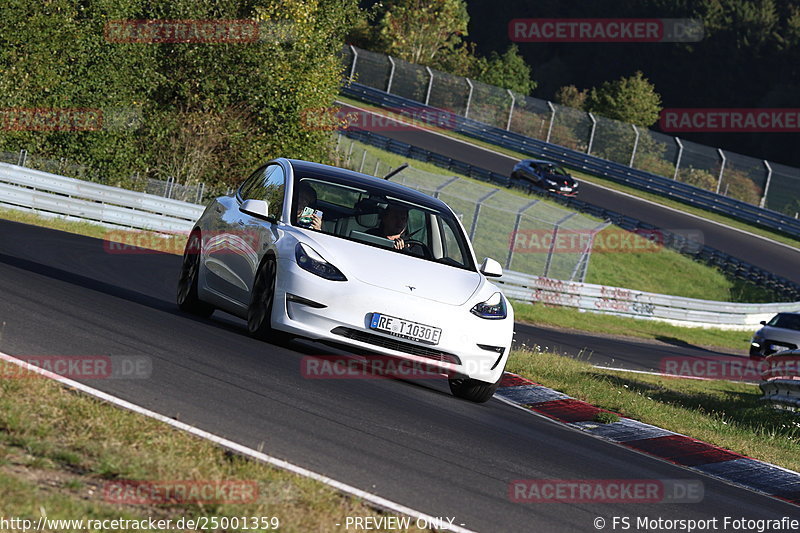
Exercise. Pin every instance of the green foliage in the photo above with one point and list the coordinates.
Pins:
(509, 71)
(419, 31)
(195, 111)
(632, 99)
(570, 96)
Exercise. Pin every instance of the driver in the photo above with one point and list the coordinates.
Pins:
(392, 225)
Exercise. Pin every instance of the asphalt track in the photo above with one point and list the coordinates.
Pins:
(773, 257)
(411, 442)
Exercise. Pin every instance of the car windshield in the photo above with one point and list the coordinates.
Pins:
(376, 218)
(555, 169)
(785, 321)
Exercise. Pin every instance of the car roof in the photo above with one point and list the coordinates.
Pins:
(357, 179)
(541, 161)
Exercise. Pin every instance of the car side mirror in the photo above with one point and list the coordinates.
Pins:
(256, 208)
(763, 322)
(491, 268)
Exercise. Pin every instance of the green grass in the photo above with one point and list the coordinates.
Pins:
(59, 449)
(722, 413)
(570, 318)
(709, 215)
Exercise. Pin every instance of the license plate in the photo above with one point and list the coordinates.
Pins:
(405, 328)
(775, 348)
(566, 189)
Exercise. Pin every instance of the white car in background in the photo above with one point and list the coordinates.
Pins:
(298, 250)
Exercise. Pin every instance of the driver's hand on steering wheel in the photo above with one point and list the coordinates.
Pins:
(399, 244)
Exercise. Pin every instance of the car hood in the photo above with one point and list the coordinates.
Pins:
(396, 271)
(779, 334)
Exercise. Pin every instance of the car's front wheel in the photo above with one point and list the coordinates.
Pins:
(259, 313)
(473, 390)
(187, 299)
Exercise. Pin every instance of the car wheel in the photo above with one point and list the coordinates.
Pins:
(259, 313)
(187, 299)
(472, 389)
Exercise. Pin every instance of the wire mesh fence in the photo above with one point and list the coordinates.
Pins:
(738, 176)
(522, 233)
(168, 188)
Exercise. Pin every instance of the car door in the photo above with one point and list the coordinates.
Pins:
(233, 252)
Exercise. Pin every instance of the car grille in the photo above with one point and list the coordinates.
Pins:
(397, 345)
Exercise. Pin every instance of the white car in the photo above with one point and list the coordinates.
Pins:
(315, 251)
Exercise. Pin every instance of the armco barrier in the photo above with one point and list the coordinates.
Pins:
(635, 178)
(25, 188)
(638, 304)
(727, 263)
(781, 383)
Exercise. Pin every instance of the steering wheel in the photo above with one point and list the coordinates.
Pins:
(414, 246)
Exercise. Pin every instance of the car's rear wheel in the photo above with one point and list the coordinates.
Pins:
(187, 298)
(259, 313)
(472, 389)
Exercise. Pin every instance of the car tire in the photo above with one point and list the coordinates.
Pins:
(259, 312)
(187, 298)
(472, 389)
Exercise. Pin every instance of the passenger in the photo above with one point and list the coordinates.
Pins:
(307, 197)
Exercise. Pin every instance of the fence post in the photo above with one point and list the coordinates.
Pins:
(443, 185)
(678, 158)
(635, 144)
(721, 168)
(353, 65)
(513, 242)
(469, 98)
(510, 109)
(478, 205)
(391, 75)
(766, 185)
(23, 157)
(552, 120)
(200, 190)
(591, 135)
(168, 187)
(377, 164)
(430, 85)
(363, 158)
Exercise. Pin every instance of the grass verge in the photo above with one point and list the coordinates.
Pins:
(726, 414)
(60, 452)
(709, 215)
(569, 318)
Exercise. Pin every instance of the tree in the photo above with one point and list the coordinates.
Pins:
(570, 96)
(420, 31)
(508, 70)
(632, 99)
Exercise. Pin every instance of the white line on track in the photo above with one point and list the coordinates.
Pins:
(629, 195)
(235, 447)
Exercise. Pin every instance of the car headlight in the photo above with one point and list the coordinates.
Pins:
(493, 309)
(757, 340)
(308, 259)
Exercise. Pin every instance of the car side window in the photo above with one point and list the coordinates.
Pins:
(269, 184)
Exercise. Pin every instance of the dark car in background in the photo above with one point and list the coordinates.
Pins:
(781, 333)
(545, 175)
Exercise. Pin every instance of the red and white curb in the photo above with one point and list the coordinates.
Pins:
(693, 454)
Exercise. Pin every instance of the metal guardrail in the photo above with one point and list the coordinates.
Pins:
(781, 383)
(35, 190)
(727, 263)
(617, 172)
(638, 304)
